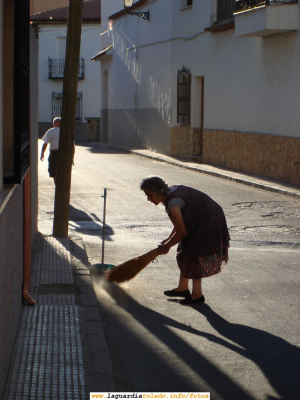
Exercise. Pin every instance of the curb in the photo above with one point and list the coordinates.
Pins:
(98, 367)
(263, 186)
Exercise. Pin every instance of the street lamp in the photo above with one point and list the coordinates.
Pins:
(142, 14)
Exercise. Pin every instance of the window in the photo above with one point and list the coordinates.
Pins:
(16, 93)
(183, 96)
(57, 105)
(225, 10)
(56, 68)
(186, 3)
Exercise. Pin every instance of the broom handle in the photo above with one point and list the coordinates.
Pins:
(103, 230)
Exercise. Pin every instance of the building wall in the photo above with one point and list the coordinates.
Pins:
(251, 87)
(108, 8)
(11, 275)
(1, 96)
(250, 90)
(8, 104)
(34, 131)
(90, 86)
(139, 96)
(251, 84)
(12, 202)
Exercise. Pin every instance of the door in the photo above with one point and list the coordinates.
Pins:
(198, 115)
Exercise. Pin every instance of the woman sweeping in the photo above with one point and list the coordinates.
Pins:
(200, 230)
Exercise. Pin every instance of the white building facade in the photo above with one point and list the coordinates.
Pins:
(51, 27)
(234, 104)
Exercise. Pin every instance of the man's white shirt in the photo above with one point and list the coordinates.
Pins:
(52, 137)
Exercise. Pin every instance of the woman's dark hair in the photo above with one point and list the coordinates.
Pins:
(156, 185)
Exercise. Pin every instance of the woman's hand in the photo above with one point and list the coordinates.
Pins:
(163, 249)
(164, 241)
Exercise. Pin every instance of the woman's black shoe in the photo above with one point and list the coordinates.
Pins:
(189, 301)
(174, 293)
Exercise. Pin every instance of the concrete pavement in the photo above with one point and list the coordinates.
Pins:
(61, 349)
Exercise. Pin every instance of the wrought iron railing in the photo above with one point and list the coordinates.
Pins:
(241, 5)
(57, 105)
(183, 96)
(56, 68)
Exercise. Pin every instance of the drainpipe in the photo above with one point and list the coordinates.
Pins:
(27, 239)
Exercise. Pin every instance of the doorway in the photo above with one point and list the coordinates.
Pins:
(198, 115)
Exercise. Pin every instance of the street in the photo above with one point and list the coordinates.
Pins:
(243, 343)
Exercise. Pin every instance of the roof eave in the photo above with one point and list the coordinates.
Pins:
(63, 21)
(105, 53)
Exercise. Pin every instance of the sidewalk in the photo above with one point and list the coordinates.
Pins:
(61, 351)
(238, 177)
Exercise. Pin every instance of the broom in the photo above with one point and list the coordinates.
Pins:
(129, 269)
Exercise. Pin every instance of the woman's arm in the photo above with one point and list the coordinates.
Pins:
(179, 231)
(170, 236)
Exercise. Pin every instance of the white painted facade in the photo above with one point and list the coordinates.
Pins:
(52, 39)
(251, 84)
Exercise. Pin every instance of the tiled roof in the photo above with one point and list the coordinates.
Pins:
(91, 12)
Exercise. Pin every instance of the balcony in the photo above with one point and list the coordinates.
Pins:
(256, 18)
(242, 5)
(56, 67)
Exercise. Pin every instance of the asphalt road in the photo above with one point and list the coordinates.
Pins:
(244, 342)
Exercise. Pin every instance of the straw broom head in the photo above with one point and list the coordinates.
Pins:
(129, 269)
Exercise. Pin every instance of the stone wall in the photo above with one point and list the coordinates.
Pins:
(274, 157)
(185, 141)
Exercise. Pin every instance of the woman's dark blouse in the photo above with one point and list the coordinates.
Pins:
(204, 250)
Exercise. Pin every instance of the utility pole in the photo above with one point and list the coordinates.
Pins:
(68, 117)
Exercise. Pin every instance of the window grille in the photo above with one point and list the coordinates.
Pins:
(183, 96)
(57, 105)
(56, 68)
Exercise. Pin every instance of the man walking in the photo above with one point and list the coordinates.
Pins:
(52, 137)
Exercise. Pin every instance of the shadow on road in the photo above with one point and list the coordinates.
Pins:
(277, 359)
(88, 224)
(159, 325)
(97, 147)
